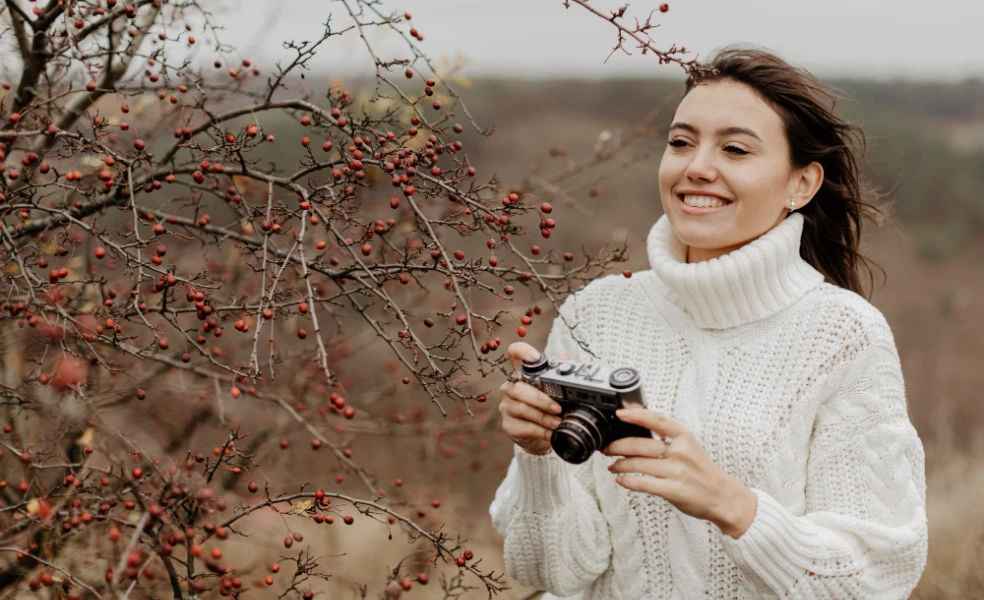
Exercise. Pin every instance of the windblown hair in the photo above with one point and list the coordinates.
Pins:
(833, 219)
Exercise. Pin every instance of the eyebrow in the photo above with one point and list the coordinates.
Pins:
(720, 132)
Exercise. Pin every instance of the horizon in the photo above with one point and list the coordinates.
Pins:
(543, 40)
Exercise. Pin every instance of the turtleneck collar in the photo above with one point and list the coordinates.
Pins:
(748, 284)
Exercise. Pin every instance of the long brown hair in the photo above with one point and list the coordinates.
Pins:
(833, 219)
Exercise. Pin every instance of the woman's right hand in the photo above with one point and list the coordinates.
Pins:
(528, 415)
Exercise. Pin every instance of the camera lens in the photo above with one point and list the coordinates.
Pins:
(582, 431)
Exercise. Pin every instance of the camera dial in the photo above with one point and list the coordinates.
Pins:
(623, 378)
(532, 367)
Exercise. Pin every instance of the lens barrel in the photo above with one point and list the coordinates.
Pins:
(582, 431)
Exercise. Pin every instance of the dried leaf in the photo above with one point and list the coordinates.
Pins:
(142, 104)
(86, 437)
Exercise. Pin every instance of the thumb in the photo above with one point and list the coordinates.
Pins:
(520, 351)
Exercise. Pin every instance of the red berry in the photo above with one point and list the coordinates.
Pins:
(627, 273)
(664, 7)
(252, 487)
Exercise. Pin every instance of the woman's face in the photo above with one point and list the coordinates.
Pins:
(727, 142)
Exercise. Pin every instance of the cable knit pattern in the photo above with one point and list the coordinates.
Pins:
(792, 385)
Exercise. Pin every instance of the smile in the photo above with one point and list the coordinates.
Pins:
(702, 205)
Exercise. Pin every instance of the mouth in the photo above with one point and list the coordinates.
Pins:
(694, 204)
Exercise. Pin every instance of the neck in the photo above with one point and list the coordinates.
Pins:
(696, 255)
(736, 286)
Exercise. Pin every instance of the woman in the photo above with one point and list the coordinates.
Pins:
(782, 463)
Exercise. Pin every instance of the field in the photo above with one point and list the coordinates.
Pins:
(926, 147)
(932, 296)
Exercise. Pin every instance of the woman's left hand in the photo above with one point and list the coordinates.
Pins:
(685, 476)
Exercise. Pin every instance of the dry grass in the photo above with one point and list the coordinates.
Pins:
(955, 489)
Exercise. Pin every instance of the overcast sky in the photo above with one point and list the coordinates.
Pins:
(939, 40)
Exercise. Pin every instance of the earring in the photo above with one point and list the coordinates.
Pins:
(792, 206)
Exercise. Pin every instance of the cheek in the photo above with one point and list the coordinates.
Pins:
(668, 174)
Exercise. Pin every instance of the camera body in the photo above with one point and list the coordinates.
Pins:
(589, 395)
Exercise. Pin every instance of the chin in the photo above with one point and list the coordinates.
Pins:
(700, 232)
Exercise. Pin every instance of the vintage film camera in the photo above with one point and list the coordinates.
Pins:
(589, 395)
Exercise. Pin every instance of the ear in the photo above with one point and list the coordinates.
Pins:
(809, 183)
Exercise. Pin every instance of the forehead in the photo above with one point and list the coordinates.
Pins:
(727, 103)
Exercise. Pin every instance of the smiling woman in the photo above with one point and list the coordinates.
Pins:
(782, 462)
(760, 142)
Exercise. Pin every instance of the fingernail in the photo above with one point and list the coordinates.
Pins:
(555, 421)
(555, 408)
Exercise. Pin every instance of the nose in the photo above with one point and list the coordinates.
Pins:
(701, 166)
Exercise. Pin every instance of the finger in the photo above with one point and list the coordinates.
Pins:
(649, 485)
(649, 466)
(519, 429)
(635, 446)
(652, 420)
(519, 351)
(526, 393)
(525, 412)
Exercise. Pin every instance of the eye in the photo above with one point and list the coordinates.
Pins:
(679, 143)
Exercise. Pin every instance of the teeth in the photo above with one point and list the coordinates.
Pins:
(704, 201)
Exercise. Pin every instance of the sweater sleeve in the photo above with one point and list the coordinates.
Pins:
(546, 510)
(864, 532)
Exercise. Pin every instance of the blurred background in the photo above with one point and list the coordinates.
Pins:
(913, 74)
(926, 146)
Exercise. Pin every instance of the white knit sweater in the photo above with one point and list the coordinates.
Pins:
(792, 385)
